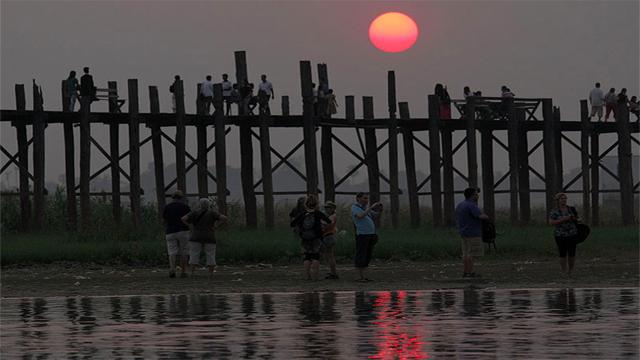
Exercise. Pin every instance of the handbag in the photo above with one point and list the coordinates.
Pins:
(583, 229)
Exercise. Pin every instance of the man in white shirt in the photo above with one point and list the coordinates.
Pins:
(596, 98)
(206, 92)
(227, 88)
(265, 91)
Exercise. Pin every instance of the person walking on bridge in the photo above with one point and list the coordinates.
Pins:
(596, 98)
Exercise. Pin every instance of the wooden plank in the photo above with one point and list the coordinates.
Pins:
(524, 188)
(410, 168)
(201, 137)
(156, 144)
(309, 128)
(85, 163)
(285, 105)
(221, 158)
(434, 161)
(558, 148)
(595, 177)
(114, 149)
(69, 166)
(38, 158)
(447, 177)
(584, 157)
(513, 136)
(472, 152)
(548, 145)
(625, 169)
(371, 146)
(134, 155)
(326, 146)
(394, 189)
(181, 172)
(486, 155)
(23, 160)
(246, 151)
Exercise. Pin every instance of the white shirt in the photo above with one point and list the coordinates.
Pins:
(226, 88)
(596, 97)
(266, 87)
(207, 88)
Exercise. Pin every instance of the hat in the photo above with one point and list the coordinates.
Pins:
(330, 204)
(177, 194)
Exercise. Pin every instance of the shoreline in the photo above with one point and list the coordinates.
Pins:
(70, 280)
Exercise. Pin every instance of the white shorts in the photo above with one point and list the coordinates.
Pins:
(177, 243)
(194, 253)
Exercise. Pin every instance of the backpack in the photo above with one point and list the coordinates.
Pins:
(308, 226)
(488, 232)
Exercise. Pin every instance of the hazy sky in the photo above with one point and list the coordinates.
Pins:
(554, 49)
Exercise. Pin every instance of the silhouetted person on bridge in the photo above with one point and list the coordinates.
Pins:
(633, 107)
(596, 99)
(206, 93)
(610, 101)
(87, 88)
(71, 89)
(444, 101)
(265, 92)
(332, 103)
(172, 90)
(227, 89)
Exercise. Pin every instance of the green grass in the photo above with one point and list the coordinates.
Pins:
(236, 245)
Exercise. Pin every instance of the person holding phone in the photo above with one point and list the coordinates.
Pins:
(363, 216)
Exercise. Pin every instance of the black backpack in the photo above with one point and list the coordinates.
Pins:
(308, 226)
(488, 232)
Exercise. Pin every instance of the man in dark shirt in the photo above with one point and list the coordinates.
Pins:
(86, 86)
(469, 222)
(177, 233)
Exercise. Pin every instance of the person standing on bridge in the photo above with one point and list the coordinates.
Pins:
(227, 89)
(265, 92)
(610, 101)
(87, 88)
(363, 217)
(444, 101)
(206, 92)
(469, 222)
(596, 98)
(71, 89)
(332, 103)
(633, 107)
(172, 90)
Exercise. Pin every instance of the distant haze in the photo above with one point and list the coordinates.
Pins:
(555, 49)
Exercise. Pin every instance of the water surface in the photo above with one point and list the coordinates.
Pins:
(457, 324)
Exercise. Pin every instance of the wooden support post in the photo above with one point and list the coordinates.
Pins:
(285, 105)
(181, 169)
(595, 177)
(557, 132)
(246, 150)
(23, 160)
(434, 162)
(201, 136)
(221, 156)
(85, 163)
(410, 167)
(488, 192)
(523, 168)
(447, 177)
(38, 158)
(310, 152)
(394, 189)
(69, 165)
(550, 169)
(326, 147)
(371, 146)
(267, 179)
(472, 152)
(584, 156)
(156, 143)
(625, 169)
(513, 136)
(134, 155)
(114, 149)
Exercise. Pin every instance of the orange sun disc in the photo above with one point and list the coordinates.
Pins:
(393, 32)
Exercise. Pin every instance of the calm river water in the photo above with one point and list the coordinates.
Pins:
(459, 324)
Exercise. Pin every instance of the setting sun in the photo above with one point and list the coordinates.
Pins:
(393, 32)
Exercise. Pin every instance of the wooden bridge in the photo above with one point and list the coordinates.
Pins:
(478, 115)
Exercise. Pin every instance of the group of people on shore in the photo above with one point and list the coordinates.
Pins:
(611, 101)
(190, 232)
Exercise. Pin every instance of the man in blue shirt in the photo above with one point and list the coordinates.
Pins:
(469, 221)
(362, 215)
(177, 233)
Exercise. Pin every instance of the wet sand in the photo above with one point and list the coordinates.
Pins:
(98, 280)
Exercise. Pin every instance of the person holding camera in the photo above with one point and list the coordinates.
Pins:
(363, 217)
(565, 219)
